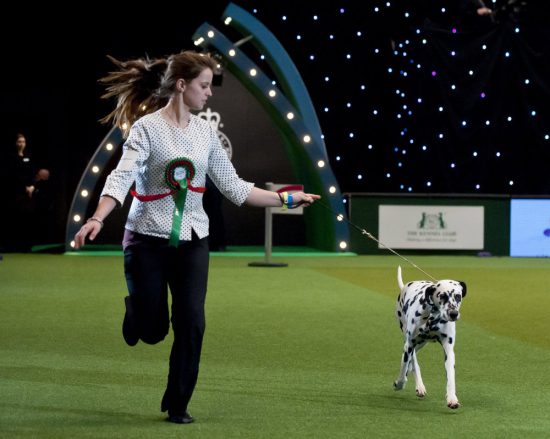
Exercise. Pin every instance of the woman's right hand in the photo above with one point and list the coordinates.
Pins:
(91, 228)
(95, 223)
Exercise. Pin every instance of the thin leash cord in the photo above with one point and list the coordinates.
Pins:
(371, 236)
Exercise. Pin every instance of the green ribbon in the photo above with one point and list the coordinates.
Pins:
(177, 217)
(178, 175)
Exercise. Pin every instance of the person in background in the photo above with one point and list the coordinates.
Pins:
(17, 181)
(42, 207)
(482, 9)
(168, 153)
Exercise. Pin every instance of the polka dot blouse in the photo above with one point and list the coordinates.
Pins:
(151, 145)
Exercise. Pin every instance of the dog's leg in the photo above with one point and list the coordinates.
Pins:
(408, 351)
(420, 389)
(452, 400)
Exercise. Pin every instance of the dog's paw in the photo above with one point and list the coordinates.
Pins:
(399, 385)
(453, 403)
(420, 391)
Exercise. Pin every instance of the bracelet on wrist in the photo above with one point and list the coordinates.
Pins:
(285, 199)
(290, 201)
(94, 218)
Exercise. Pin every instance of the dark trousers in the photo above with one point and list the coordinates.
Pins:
(151, 266)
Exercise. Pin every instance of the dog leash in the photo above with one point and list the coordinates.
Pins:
(364, 232)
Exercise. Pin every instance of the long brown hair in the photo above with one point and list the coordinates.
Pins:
(143, 85)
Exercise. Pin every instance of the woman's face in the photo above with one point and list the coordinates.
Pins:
(21, 143)
(197, 92)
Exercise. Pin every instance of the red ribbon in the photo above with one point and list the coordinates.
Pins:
(155, 197)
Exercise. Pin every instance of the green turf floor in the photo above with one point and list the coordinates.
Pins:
(307, 351)
(254, 251)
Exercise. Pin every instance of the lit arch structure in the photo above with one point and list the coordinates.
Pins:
(291, 110)
(88, 181)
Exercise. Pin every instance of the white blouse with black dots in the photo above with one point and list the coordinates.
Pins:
(151, 145)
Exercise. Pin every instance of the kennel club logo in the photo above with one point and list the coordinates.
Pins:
(432, 227)
(432, 221)
(214, 118)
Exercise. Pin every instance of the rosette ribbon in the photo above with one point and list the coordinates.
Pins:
(178, 175)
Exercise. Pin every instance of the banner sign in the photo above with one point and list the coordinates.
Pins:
(431, 227)
(530, 227)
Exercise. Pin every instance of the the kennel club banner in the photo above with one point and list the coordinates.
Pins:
(431, 227)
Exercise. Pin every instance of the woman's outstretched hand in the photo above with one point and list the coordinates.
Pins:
(303, 199)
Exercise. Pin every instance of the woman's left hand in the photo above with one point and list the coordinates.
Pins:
(303, 199)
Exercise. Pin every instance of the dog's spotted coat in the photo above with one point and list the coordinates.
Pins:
(427, 311)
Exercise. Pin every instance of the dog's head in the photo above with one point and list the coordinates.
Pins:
(447, 296)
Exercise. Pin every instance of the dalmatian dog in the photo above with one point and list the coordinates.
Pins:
(427, 311)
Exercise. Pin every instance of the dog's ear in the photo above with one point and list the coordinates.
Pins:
(463, 285)
(429, 291)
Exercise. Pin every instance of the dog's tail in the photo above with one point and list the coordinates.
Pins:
(399, 278)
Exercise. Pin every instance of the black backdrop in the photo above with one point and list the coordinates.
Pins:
(52, 60)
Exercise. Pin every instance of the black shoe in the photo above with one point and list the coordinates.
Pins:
(186, 418)
(129, 327)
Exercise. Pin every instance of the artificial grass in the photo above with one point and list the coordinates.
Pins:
(310, 350)
(230, 251)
